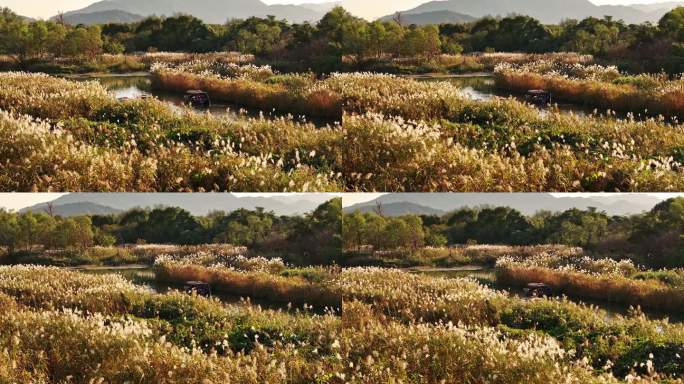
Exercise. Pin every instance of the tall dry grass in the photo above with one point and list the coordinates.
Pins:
(88, 141)
(252, 94)
(643, 94)
(259, 285)
(644, 293)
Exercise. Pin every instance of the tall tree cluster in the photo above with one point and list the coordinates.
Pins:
(316, 235)
(340, 36)
(654, 238)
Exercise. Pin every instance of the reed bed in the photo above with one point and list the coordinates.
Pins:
(403, 135)
(290, 93)
(150, 58)
(645, 294)
(483, 254)
(259, 283)
(249, 345)
(88, 141)
(395, 155)
(597, 86)
(132, 254)
(610, 344)
(603, 279)
(396, 135)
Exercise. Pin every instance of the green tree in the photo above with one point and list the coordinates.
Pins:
(83, 42)
(9, 230)
(672, 24)
(353, 230)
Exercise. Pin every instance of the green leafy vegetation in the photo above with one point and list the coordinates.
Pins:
(422, 239)
(340, 40)
(41, 238)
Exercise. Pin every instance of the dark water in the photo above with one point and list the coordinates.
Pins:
(146, 278)
(482, 88)
(139, 85)
(487, 276)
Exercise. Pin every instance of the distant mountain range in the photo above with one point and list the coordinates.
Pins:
(100, 17)
(547, 11)
(435, 17)
(72, 209)
(413, 11)
(211, 11)
(652, 7)
(198, 204)
(439, 203)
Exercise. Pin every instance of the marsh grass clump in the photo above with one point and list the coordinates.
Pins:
(486, 254)
(603, 279)
(237, 262)
(250, 86)
(88, 141)
(396, 134)
(385, 335)
(597, 86)
(256, 279)
(392, 154)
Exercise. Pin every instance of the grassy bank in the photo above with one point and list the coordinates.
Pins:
(117, 255)
(445, 257)
(108, 63)
(256, 281)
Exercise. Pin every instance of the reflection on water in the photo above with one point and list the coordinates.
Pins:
(139, 85)
(482, 88)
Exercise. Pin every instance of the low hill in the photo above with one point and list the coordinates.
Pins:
(624, 204)
(547, 11)
(101, 17)
(195, 203)
(435, 17)
(73, 209)
(211, 11)
(396, 209)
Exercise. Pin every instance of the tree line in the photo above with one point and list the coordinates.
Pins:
(341, 35)
(315, 236)
(654, 238)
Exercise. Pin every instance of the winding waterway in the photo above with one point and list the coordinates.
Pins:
(479, 86)
(144, 275)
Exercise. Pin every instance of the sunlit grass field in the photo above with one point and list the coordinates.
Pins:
(395, 134)
(393, 326)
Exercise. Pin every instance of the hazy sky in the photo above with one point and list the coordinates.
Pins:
(350, 199)
(17, 201)
(46, 9)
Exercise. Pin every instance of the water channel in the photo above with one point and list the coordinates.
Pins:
(144, 275)
(476, 87)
